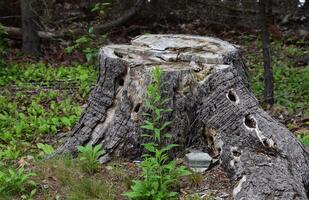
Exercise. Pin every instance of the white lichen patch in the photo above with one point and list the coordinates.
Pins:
(232, 163)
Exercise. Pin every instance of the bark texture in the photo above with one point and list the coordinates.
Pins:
(212, 106)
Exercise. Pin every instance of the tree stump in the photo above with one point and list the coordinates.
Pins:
(213, 107)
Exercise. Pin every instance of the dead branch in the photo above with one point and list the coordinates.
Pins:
(101, 28)
(16, 33)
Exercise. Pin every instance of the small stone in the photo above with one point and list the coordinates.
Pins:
(198, 161)
(105, 159)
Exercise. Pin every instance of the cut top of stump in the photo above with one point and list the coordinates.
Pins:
(152, 50)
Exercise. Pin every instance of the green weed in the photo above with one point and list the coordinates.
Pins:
(15, 181)
(46, 149)
(304, 138)
(39, 100)
(89, 156)
(10, 152)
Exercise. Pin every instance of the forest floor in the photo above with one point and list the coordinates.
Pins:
(40, 103)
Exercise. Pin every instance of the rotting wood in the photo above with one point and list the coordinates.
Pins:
(206, 82)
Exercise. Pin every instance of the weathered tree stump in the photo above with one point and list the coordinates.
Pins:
(212, 106)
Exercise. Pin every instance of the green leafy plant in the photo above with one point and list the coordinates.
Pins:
(15, 181)
(11, 152)
(46, 149)
(89, 157)
(25, 116)
(304, 139)
(87, 44)
(100, 8)
(159, 175)
(291, 82)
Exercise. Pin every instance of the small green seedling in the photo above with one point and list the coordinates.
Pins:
(89, 157)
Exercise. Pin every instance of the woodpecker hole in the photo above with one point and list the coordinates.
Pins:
(250, 121)
(231, 95)
(137, 107)
(121, 82)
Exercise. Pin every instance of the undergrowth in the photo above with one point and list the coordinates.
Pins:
(74, 183)
(36, 103)
(291, 81)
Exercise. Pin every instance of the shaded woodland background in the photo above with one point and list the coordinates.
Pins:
(71, 18)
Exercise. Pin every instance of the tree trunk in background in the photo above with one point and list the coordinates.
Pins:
(268, 72)
(212, 106)
(30, 27)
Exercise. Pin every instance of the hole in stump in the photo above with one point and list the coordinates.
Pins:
(236, 153)
(121, 81)
(250, 121)
(137, 107)
(232, 96)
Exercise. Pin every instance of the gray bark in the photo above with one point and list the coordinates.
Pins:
(212, 107)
